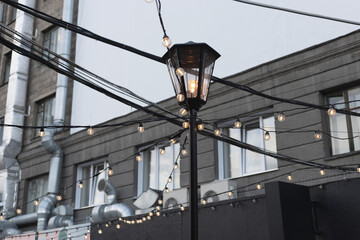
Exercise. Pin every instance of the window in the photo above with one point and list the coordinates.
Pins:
(50, 41)
(6, 67)
(345, 128)
(1, 130)
(13, 13)
(45, 112)
(235, 161)
(90, 173)
(37, 188)
(154, 169)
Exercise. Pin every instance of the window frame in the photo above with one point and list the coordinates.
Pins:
(348, 119)
(224, 171)
(38, 106)
(143, 179)
(79, 177)
(2, 121)
(49, 32)
(30, 202)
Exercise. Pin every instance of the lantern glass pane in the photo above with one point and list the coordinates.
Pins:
(172, 64)
(207, 70)
(191, 82)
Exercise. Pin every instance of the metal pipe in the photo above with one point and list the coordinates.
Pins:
(109, 189)
(24, 219)
(107, 212)
(193, 178)
(44, 211)
(15, 110)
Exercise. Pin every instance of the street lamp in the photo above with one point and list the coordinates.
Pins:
(191, 66)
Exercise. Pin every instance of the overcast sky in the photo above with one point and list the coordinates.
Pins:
(244, 35)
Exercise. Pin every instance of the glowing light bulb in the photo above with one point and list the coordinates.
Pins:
(41, 132)
(331, 111)
(170, 179)
(90, 131)
(81, 185)
(151, 214)
(230, 193)
(85, 236)
(166, 41)
(184, 152)
(180, 97)
(237, 123)
(148, 218)
(173, 141)
(322, 172)
(281, 117)
(133, 222)
(144, 219)
(180, 72)
(1, 216)
(100, 231)
(258, 186)
(166, 190)
(162, 151)
(217, 132)
(201, 126)
(183, 111)
(358, 169)
(18, 211)
(36, 202)
(160, 201)
(192, 86)
(185, 125)
(317, 135)
(158, 208)
(58, 197)
(141, 128)
(203, 202)
(158, 214)
(176, 166)
(138, 157)
(267, 136)
(149, 1)
(289, 177)
(118, 226)
(110, 171)
(182, 208)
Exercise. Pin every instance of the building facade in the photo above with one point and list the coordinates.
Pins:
(76, 167)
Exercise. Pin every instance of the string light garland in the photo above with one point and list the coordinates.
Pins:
(90, 131)
(331, 111)
(140, 128)
(267, 136)
(281, 117)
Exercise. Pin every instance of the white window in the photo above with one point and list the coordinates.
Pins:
(45, 112)
(155, 168)
(1, 130)
(237, 162)
(90, 174)
(37, 188)
(345, 128)
(50, 41)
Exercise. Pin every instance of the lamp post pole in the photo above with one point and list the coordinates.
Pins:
(193, 178)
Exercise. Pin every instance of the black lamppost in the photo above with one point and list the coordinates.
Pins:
(191, 66)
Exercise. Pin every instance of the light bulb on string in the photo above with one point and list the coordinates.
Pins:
(166, 190)
(100, 231)
(162, 151)
(184, 152)
(176, 166)
(141, 128)
(180, 97)
(322, 172)
(289, 177)
(158, 208)
(118, 226)
(1, 216)
(217, 132)
(317, 135)
(90, 131)
(203, 202)
(169, 179)
(138, 157)
(183, 111)
(358, 169)
(36, 202)
(172, 140)
(200, 126)
(258, 186)
(158, 214)
(180, 72)
(144, 219)
(160, 201)
(166, 41)
(185, 124)
(331, 111)
(267, 136)
(281, 117)
(230, 193)
(237, 123)
(80, 184)
(182, 208)
(110, 171)
(85, 236)
(18, 210)
(41, 132)
(148, 217)
(151, 214)
(59, 197)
